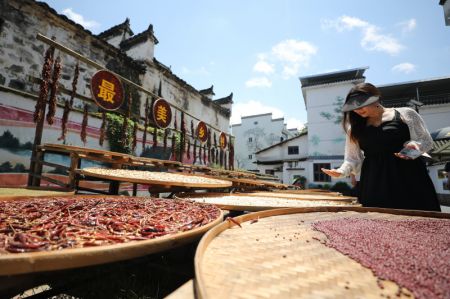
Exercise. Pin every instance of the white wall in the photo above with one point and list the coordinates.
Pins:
(435, 116)
(264, 132)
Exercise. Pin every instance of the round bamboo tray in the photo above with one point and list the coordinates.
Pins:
(21, 263)
(18, 193)
(247, 202)
(151, 178)
(277, 254)
(304, 196)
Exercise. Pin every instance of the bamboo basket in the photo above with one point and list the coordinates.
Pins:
(254, 203)
(278, 257)
(21, 263)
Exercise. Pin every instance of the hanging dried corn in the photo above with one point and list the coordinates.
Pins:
(84, 124)
(102, 129)
(68, 104)
(144, 136)
(45, 82)
(53, 91)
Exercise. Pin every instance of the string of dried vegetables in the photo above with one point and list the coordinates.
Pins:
(231, 155)
(155, 138)
(174, 152)
(183, 135)
(195, 151)
(166, 134)
(45, 82)
(84, 123)
(208, 145)
(204, 154)
(175, 125)
(188, 151)
(144, 136)
(200, 153)
(62, 222)
(135, 129)
(192, 129)
(53, 91)
(124, 136)
(69, 104)
(103, 129)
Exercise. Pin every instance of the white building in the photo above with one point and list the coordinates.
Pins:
(287, 159)
(254, 133)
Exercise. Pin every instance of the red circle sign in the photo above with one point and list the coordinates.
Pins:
(107, 90)
(202, 132)
(223, 140)
(162, 114)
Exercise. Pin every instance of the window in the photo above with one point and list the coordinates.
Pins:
(270, 171)
(319, 176)
(250, 157)
(250, 139)
(292, 150)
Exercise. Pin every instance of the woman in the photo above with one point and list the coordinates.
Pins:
(375, 136)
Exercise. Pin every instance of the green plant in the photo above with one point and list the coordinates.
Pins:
(114, 133)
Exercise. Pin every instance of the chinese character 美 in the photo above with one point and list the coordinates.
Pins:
(106, 91)
(161, 113)
(201, 132)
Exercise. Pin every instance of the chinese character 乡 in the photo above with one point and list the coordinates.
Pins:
(161, 113)
(106, 91)
(201, 132)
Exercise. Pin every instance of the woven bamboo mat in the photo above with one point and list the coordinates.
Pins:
(278, 257)
(21, 263)
(304, 196)
(155, 178)
(246, 202)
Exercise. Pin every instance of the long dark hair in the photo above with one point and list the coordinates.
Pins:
(351, 120)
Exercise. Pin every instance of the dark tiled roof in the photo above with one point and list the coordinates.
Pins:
(225, 100)
(117, 30)
(281, 143)
(428, 92)
(97, 42)
(333, 77)
(139, 38)
(207, 91)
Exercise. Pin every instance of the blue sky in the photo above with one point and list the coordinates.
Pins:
(258, 49)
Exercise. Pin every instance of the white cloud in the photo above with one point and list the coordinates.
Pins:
(372, 40)
(201, 71)
(408, 26)
(253, 107)
(259, 82)
(292, 123)
(405, 68)
(77, 18)
(263, 67)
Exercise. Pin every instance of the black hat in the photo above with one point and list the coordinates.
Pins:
(358, 100)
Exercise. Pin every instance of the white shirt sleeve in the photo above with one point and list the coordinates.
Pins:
(417, 128)
(353, 158)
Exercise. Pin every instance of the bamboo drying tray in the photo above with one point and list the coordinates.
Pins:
(18, 193)
(277, 257)
(150, 178)
(304, 196)
(21, 263)
(247, 202)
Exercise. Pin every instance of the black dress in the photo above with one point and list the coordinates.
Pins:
(388, 181)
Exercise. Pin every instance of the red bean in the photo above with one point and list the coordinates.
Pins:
(415, 254)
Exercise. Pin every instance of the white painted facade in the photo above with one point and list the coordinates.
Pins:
(255, 133)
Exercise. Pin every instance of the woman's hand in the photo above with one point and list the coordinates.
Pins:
(332, 172)
(411, 145)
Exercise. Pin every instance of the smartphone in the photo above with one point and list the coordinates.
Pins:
(411, 152)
